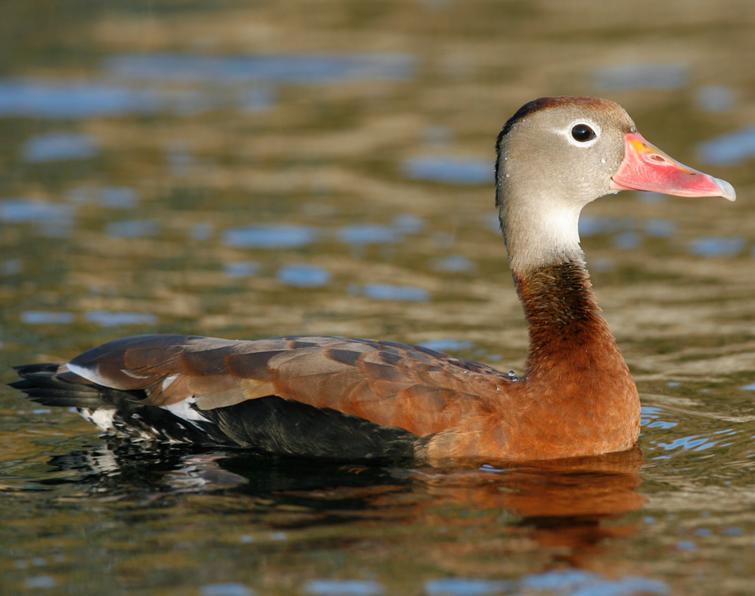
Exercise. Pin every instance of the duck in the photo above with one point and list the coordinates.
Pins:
(352, 399)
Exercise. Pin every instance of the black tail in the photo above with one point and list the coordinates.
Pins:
(43, 384)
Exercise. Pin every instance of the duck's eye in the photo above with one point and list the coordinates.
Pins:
(582, 133)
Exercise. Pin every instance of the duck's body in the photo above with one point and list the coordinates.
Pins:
(360, 399)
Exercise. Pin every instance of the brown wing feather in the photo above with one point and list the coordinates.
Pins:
(384, 382)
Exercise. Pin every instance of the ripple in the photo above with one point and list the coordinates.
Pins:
(343, 587)
(58, 146)
(714, 246)
(46, 317)
(650, 418)
(241, 269)
(454, 264)
(641, 76)
(28, 211)
(303, 276)
(448, 169)
(40, 582)
(444, 345)
(393, 292)
(286, 68)
(689, 443)
(627, 240)
(590, 225)
(715, 98)
(270, 237)
(57, 99)
(729, 149)
(110, 197)
(584, 582)
(133, 228)
(461, 586)
(362, 234)
(106, 318)
(408, 223)
(659, 228)
(201, 231)
(226, 589)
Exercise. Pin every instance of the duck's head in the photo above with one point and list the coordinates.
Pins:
(556, 154)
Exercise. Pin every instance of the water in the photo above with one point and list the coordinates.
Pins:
(239, 170)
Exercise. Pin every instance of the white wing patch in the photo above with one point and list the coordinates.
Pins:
(183, 410)
(102, 418)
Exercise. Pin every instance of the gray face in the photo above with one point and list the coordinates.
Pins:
(555, 156)
(568, 150)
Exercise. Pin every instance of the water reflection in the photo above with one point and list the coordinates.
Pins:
(566, 511)
(453, 170)
(641, 76)
(70, 99)
(580, 491)
(288, 68)
(57, 146)
(729, 149)
(270, 237)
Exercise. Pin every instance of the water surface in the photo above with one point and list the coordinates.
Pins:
(245, 170)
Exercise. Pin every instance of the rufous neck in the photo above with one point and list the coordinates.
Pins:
(566, 328)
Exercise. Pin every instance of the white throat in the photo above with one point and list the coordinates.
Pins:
(541, 232)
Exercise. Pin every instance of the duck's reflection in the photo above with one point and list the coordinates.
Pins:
(568, 508)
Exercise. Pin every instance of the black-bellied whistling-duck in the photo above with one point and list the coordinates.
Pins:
(358, 399)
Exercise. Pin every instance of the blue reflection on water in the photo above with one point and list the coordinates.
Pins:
(270, 236)
(50, 99)
(627, 240)
(241, 269)
(691, 443)
(111, 197)
(567, 581)
(650, 418)
(39, 212)
(590, 225)
(343, 587)
(40, 582)
(454, 264)
(135, 228)
(641, 76)
(359, 234)
(59, 146)
(660, 228)
(226, 589)
(715, 98)
(392, 292)
(408, 223)
(729, 149)
(107, 318)
(45, 317)
(585, 583)
(363, 234)
(713, 246)
(445, 345)
(303, 276)
(290, 68)
(448, 169)
(40, 98)
(463, 586)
